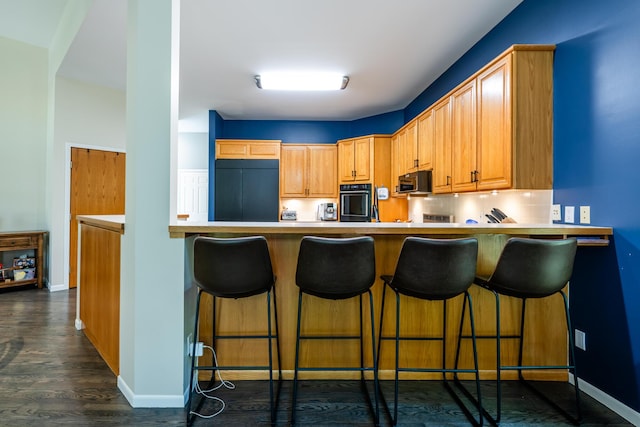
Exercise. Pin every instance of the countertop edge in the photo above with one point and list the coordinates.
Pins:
(596, 234)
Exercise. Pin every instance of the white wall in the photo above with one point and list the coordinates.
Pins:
(85, 115)
(23, 135)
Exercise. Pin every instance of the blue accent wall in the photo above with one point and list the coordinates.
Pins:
(596, 153)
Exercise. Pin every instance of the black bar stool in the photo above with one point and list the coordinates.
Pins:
(336, 269)
(235, 268)
(434, 270)
(532, 268)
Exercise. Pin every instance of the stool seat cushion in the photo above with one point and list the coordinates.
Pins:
(336, 268)
(233, 267)
(532, 268)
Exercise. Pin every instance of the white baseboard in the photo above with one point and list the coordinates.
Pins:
(149, 400)
(615, 405)
(79, 324)
(56, 288)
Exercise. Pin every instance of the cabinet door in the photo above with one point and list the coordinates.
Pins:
(463, 138)
(346, 159)
(442, 147)
(411, 147)
(494, 127)
(322, 171)
(363, 159)
(395, 163)
(293, 167)
(425, 141)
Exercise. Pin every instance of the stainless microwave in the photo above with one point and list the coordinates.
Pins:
(418, 183)
(355, 202)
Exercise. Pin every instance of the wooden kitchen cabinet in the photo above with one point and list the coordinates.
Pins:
(407, 157)
(308, 170)
(15, 244)
(501, 131)
(247, 149)
(442, 146)
(515, 120)
(463, 138)
(424, 143)
(355, 159)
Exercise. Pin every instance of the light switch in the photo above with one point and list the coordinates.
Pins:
(569, 213)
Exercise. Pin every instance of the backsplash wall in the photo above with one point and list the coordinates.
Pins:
(523, 206)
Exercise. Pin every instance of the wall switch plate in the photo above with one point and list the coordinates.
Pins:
(581, 340)
(585, 214)
(556, 214)
(569, 213)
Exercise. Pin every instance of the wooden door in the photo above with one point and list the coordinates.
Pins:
(322, 171)
(463, 138)
(97, 188)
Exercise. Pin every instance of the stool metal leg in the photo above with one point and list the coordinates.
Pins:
(193, 360)
(294, 393)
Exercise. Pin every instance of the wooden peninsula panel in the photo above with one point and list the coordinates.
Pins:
(548, 341)
(99, 284)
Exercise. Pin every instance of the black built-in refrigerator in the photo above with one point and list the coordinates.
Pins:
(246, 190)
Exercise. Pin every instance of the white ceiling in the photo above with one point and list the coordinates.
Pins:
(391, 50)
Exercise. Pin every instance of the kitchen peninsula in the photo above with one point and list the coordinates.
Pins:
(548, 341)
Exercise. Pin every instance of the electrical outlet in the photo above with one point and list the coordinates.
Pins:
(555, 213)
(189, 345)
(585, 214)
(569, 213)
(581, 340)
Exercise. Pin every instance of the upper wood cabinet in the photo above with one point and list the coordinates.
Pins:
(463, 138)
(500, 126)
(355, 157)
(515, 120)
(425, 140)
(308, 170)
(442, 146)
(247, 149)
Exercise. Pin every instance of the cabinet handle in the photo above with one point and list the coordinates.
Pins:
(475, 176)
(353, 174)
(472, 175)
(448, 180)
(415, 163)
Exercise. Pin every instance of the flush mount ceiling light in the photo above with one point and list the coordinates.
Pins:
(301, 81)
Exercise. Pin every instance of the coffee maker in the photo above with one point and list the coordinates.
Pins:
(327, 212)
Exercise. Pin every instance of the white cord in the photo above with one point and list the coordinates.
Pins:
(227, 384)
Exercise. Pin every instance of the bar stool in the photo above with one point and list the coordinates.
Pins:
(336, 269)
(433, 270)
(531, 268)
(235, 268)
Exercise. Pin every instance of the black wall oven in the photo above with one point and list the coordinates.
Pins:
(355, 202)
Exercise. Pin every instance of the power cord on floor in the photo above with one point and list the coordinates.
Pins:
(223, 383)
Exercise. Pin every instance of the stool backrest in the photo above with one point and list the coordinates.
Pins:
(336, 268)
(435, 268)
(232, 267)
(534, 268)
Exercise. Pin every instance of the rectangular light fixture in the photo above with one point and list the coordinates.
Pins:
(301, 81)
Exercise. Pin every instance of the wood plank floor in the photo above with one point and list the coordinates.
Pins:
(51, 375)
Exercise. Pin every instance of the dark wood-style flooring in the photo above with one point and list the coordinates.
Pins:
(51, 375)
